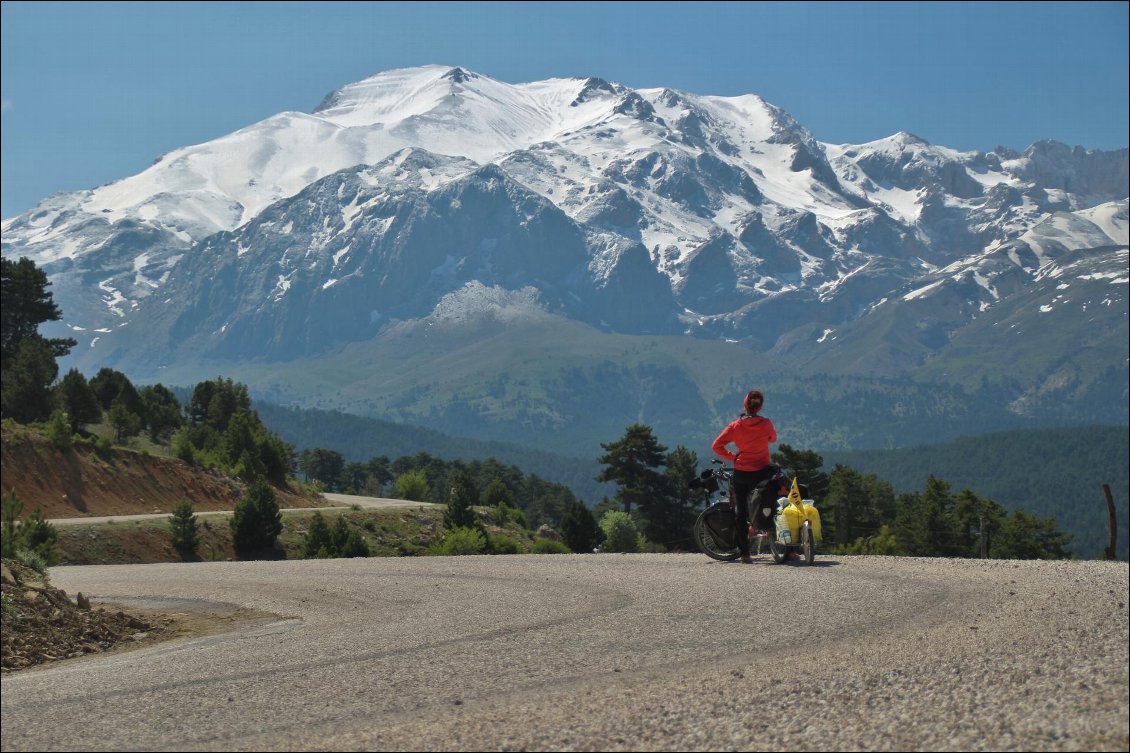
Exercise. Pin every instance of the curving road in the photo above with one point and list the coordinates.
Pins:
(598, 652)
(343, 501)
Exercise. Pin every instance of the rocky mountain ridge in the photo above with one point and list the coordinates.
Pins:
(635, 212)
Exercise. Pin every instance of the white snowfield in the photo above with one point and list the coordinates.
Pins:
(578, 126)
(598, 652)
(221, 184)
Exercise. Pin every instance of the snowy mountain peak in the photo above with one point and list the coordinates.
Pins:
(459, 76)
(909, 139)
(392, 95)
(592, 88)
(726, 211)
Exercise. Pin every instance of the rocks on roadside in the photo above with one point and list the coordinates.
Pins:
(41, 624)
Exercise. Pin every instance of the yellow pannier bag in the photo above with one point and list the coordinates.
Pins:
(789, 520)
(813, 516)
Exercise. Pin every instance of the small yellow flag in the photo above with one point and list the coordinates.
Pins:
(794, 495)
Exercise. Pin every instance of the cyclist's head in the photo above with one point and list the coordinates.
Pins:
(753, 402)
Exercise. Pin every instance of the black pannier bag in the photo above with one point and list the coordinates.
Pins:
(763, 503)
(720, 522)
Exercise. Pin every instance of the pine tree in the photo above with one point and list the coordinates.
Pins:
(275, 455)
(215, 402)
(110, 385)
(631, 464)
(256, 522)
(339, 534)
(238, 440)
(355, 477)
(807, 465)
(848, 511)
(977, 522)
(635, 464)
(355, 546)
(318, 541)
(461, 498)
(580, 529)
(77, 398)
(323, 466)
(59, 430)
(182, 528)
(25, 391)
(126, 423)
(162, 411)
(35, 535)
(379, 475)
(1029, 537)
(10, 538)
(40, 537)
(682, 505)
(498, 497)
(25, 303)
(924, 524)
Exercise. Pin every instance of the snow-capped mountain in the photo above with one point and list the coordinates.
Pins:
(634, 211)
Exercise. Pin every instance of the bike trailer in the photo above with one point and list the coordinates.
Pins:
(790, 519)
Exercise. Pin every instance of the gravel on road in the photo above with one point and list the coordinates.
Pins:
(599, 652)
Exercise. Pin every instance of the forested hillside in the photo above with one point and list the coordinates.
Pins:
(1050, 472)
(1054, 473)
(359, 439)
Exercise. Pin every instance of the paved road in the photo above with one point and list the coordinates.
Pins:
(342, 500)
(348, 500)
(597, 652)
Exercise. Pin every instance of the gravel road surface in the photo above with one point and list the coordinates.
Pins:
(598, 652)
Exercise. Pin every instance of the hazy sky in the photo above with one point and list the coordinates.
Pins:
(94, 92)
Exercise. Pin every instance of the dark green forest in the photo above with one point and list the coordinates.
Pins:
(1050, 473)
(1055, 473)
(427, 478)
(359, 439)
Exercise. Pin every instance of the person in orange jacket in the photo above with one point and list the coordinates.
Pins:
(752, 434)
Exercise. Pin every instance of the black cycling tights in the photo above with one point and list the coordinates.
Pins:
(742, 487)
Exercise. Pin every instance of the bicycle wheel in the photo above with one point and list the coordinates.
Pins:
(808, 543)
(778, 550)
(708, 545)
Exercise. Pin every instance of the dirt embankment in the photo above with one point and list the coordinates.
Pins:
(81, 481)
(41, 624)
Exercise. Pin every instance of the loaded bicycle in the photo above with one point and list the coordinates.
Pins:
(797, 526)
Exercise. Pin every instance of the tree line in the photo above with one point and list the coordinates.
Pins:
(653, 507)
(363, 437)
(860, 512)
(1053, 472)
(426, 478)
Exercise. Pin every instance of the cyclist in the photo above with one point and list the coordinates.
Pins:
(752, 433)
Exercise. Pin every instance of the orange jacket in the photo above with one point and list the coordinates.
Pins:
(752, 435)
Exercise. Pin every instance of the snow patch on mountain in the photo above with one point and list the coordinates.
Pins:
(1061, 233)
(1112, 218)
(475, 301)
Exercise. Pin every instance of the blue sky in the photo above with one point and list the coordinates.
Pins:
(94, 92)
